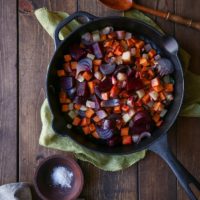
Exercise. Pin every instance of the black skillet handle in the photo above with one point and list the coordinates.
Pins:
(184, 177)
(66, 21)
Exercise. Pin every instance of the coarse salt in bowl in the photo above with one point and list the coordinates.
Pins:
(58, 177)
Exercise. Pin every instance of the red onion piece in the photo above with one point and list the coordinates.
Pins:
(84, 65)
(101, 114)
(105, 85)
(97, 50)
(82, 89)
(107, 69)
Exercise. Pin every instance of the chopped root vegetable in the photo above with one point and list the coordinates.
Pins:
(115, 86)
(124, 131)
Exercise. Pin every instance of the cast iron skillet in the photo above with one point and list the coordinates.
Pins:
(158, 142)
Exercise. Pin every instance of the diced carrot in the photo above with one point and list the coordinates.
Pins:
(92, 127)
(82, 45)
(67, 57)
(118, 51)
(124, 131)
(114, 91)
(131, 42)
(127, 139)
(143, 62)
(124, 94)
(91, 87)
(103, 37)
(95, 135)
(137, 54)
(62, 100)
(76, 121)
(155, 82)
(96, 68)
(146, 82)
(169, 87)
(86, 130)
(62, 94)
(112, 35)
(125, 108)
(77, 106)
(151, 73)
(139, 44)
(65, 108)
(151, 53)
(61, 72)
(68, 100)
(117, 109)
(74, 65)
(87, 75)
(146, 98)
(96, 119)
(109, 54)
(162, 96)
(108, 43)
(158, 88)
(159, 123)
(85, 121)
(158, 106)
(67, 67)
(97, 62)
(89, 113)
(156, 117)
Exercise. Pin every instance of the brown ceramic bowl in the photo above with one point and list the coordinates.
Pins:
(43, 183)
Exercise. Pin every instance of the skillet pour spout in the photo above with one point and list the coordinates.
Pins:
(158, 141)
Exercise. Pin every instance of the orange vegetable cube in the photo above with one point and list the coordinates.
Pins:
(151, 53)
(162, 96)
(67, 100)
(139, 44)
(114, 91)
(77, 106)
(103, 37)
(124, 131)
(105, 95)
(91, 87)
(74, 65)
(156, 117)
(86, 130)
(127, 139)
(85, 121)
(95, 135)
(158, 106)
(87, 75)
(92, 127)
(159, 123)
(143, 62)
(117, 109)
(89, 113)
(131, 42)
(65, 108)
(146, 98)
(96, 68)
(96, 119)
(61, 72)
(158, 88)
(169, 87)
(118, 51)
(97, 62)
(125, 108)
(67, 57)
(76, 121)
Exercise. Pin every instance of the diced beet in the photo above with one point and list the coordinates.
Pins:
(142, 135)
(105, 85)
(141, 117)
(97, 50)
(134, 84)
(76, 52)
(121, 68)
(82, 89)
(114, 140)
(104, 134)
(110, 103)
(67, 82)
(107, 69)
(138, 129)
(80, 100)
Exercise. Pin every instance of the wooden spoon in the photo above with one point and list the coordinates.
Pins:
(128, 4)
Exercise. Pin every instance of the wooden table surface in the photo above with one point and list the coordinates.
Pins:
(25, 51)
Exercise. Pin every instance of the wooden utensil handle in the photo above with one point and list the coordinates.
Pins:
(168, 16)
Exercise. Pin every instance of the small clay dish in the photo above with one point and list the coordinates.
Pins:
(43, 182)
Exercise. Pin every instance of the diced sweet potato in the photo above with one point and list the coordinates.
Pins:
(91, 87)
(124, 131)
(85, 121)
(96, 119)
(89, 113)
(87, 75)
(92, 127)
(86, 130)
(76, 121)
(65, 108)
(74, 65)
(67, 57)
(61, 72)
(127, 139)
(169, 87)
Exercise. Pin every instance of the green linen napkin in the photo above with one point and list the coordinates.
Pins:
(49, 20)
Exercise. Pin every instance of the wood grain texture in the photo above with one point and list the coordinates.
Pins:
(188, 147)
(35, 51)
(100, 185)
(8, 91)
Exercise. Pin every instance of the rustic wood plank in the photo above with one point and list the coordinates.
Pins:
(35, 50)
(99, 184)
(153, 172)
(8, 92)
(188, 147)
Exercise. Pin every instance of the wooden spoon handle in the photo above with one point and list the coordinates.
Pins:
(169, 16)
